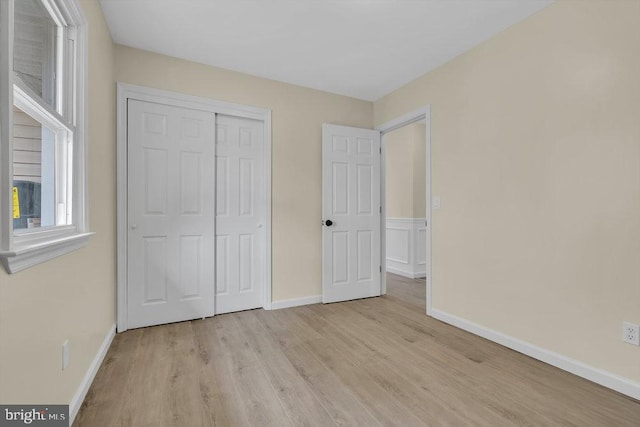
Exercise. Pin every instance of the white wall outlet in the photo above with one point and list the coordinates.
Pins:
(631, 333)
(66, 354)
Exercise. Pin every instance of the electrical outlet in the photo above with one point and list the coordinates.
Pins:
(631, 333)
(66, 354)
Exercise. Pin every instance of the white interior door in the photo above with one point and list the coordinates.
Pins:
(171, 214)
(351, 213)
(240, 214)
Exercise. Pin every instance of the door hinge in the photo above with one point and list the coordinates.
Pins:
(380, 149)
(380, 269)
(380, 209)
(426, 223)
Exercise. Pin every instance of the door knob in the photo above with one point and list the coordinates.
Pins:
(328, 223)
(134, 226)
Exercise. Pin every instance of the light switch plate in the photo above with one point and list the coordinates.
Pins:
(435, 202)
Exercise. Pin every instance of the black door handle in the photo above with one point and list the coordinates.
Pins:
(328, 223)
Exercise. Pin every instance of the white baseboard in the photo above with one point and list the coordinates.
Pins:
(295, 302)
(599, 376)
(403, 273)
(77, 400)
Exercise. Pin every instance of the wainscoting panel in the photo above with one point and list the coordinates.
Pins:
(406, 247)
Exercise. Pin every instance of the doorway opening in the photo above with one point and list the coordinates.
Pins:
(406, 207)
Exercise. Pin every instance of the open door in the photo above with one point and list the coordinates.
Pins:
(351, 208)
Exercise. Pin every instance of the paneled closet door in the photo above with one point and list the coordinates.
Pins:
(171, 214)
(240, 214)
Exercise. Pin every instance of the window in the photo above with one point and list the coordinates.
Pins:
(37, 50)
(42, 130)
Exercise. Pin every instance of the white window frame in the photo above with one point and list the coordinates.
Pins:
(21, 250)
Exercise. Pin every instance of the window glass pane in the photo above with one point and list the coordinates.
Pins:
(34, 52)
(33, 172)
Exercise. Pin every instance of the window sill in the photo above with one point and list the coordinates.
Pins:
(34, 253)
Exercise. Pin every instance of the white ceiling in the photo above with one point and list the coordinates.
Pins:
(359, 48)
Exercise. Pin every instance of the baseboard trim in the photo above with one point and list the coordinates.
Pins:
(77, 400)
(295, 302)
(599, 376)
(404, 273)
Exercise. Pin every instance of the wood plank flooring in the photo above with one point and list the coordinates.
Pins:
(373, 362)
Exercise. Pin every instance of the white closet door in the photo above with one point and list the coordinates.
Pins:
(171, 214)
(240, 214)
(351, 213)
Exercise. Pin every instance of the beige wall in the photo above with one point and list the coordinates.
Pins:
(405, 172)
(72, 297)
(297, 117)
(399, 173)
(536, 158)
(419, 170)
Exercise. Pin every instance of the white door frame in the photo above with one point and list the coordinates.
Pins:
(406, 119)
(128, 91)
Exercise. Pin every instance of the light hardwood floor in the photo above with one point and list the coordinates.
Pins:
(378, 361)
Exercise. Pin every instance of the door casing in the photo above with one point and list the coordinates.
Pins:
(127, 91)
